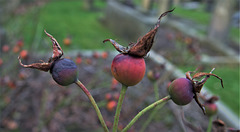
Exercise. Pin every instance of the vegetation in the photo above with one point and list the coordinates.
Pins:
(63, 19)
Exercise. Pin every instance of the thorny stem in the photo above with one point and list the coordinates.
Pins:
(119, 107)
(210, 124)
(94, 104)
(153, 105)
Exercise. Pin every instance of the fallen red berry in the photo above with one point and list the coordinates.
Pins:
(67, 41)
(24, 54)
(5, 48)
(1, 61)
(111, 105)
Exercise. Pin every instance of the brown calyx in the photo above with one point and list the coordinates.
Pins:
(143, 46)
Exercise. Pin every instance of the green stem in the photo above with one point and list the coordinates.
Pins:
(153, 105)
(210, 124)
(151, 116)
(156, 92)
(119, 107)
(94, 104)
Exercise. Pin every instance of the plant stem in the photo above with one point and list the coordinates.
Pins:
(151, 116)
(156, 92)
(210, 124)
(119, 107)
(153, 105)
(94, 104)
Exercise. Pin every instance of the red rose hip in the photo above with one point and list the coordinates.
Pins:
(181, 91)
(128, 70)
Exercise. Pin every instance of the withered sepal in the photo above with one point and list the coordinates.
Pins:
(44, 66)
(143, 46)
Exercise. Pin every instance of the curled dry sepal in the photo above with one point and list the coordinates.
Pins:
(197, 85)
(45, 66)
(64, 71)
(183, 90)
(143, 46)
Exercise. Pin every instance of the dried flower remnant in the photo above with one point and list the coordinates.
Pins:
(143, 46)
(197, 85)
(45, 66)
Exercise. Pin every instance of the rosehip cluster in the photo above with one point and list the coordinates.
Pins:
(183, 90)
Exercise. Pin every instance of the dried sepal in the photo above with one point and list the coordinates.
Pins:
(117, 46)
(143, 46)
(199, 103)
(45, 66)
(197, 85)
(39, 66)
(219, 126)
(57, 50)
(201, 74)
(212, 99)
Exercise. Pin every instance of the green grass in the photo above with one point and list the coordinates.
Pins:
(199, 16)
(229, 95)
(61, 19)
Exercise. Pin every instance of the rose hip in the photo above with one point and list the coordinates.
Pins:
(64, 71)
(181, 91)
(128, 70)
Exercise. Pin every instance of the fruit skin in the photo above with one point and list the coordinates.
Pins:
(210, 108)
(128, 70)
(64, 71)
(181, 91)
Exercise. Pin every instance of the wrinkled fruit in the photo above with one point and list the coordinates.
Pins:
(64, 71)
(127, 69)
(181, 91)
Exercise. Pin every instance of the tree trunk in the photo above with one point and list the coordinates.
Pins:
(221, 20)
(163, 6)
(147, 5)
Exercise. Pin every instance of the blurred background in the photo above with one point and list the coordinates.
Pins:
(201, 34)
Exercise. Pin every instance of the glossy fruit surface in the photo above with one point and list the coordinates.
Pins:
(64, 72)
(127, 69)
(181, 91)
